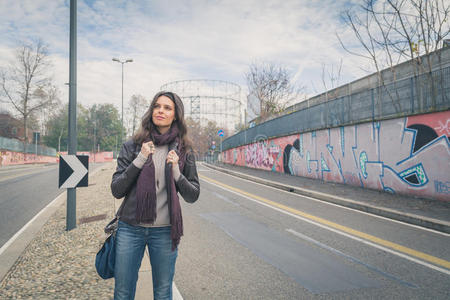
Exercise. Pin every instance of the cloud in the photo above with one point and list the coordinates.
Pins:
(177, 40)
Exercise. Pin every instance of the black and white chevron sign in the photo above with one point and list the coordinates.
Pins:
(73, 171)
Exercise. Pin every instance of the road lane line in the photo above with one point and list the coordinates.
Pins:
(30, 172)
(225, 199)
(175, 292)
(334, 204)
(349, 257)
(368, 239)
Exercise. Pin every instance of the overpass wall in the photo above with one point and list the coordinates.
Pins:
(407, 155)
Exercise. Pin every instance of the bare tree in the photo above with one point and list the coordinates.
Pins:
(136, 109)
(203, 136)
(273, 86)
(47, 112)
(398, 30)
(26, 85)
(331, 75)
(372, 34)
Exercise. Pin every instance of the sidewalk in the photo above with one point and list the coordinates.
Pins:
(47, 262)
(428, 213)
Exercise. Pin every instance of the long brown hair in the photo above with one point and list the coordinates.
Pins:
(147, 125)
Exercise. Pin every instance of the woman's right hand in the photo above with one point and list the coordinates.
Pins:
(147, 148)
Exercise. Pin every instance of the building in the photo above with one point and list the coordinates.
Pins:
(210, 100)
(12, 128)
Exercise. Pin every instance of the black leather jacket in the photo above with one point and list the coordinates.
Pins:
(125, 178)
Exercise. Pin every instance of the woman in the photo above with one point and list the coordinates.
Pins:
(151, 168)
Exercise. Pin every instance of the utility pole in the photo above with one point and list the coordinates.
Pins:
(122, 62)
(95, 134)
(35, 143)
(71, 192)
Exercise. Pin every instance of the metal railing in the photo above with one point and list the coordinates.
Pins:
(424, 93)
(18, 146)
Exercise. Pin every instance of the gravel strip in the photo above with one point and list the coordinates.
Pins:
(60, 265)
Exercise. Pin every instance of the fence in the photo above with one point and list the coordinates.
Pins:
(417, 95)
(18, 146)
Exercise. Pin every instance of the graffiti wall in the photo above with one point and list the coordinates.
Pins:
(408, 155)
(96, 157)
(8, 158)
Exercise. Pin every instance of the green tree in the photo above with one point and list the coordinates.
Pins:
(103, 127)
(85, 133)
(56, 130)
(98, 128)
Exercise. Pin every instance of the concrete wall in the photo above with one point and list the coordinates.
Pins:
(409, 155)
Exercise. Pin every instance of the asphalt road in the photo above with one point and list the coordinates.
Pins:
(24, 191)
(247, 241)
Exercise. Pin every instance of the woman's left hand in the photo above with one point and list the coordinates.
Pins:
(172, 157)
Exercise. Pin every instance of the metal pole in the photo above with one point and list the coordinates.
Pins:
(116, 147)
(71, 192)
(121, 129)
(122, 62)
(412, 93)
(95, 134)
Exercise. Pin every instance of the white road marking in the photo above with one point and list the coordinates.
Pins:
(26, 171)
(337, 205)
(18, 233)
(176, 293)
(431, 266)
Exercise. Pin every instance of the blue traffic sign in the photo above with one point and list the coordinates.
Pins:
(221, 132)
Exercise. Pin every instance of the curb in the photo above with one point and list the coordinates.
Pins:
(421, 221)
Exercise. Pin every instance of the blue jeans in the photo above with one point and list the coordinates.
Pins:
(130, 247)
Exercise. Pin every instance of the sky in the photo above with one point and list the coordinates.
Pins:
(180, 40)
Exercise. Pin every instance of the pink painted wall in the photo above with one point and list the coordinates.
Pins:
(408, 155)
(97, 157)
(8, 158)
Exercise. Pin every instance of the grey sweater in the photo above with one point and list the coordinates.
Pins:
(159, 160)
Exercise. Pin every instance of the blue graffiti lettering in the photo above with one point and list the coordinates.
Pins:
(442, 187)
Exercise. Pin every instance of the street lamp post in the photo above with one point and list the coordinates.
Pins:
(122, 62)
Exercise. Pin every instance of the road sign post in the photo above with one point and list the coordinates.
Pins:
(220, 133)
(71, 192)
(36, 137)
